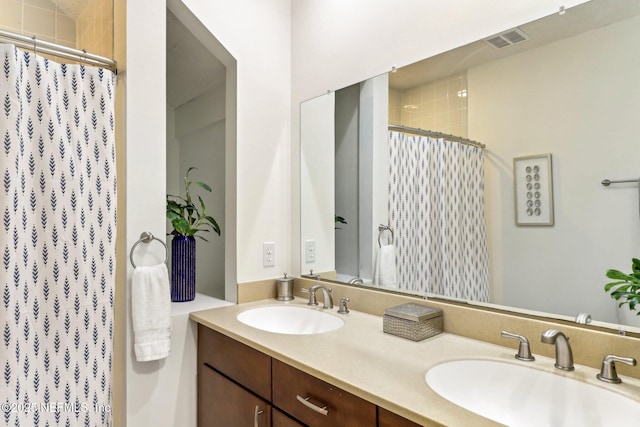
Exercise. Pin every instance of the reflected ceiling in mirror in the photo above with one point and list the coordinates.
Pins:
(568, 88)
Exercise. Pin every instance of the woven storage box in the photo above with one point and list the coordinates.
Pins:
(412, 321)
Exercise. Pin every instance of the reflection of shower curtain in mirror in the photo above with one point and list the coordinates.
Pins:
(58, 206)
(436, 209)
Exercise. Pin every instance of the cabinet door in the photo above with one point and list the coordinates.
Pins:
(317, 403)
(282, 420)
(221, 402)
(389, 419)
(243, 364)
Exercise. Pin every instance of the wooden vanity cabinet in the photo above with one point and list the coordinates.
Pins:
(241, 363)
(325, 405)
(389, 419)
(221, 402)
(241, 386)
(280, 419)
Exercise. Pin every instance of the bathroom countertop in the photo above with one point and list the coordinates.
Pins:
(386, 370)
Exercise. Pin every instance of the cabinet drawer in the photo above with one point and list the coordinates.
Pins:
(342, 408)
(389, 419)
(221, 402)
(238, 361)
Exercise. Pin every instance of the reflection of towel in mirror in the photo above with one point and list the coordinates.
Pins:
(151, 312)
(385, 269)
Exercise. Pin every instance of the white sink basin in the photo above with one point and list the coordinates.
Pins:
(518, 395)
(286, 319)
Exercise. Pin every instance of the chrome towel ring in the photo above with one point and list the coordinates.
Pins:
(381, 229)
(147, 237)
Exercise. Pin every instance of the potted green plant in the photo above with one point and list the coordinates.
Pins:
(188, 220)
(626, 287)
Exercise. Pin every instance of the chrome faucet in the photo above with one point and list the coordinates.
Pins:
(326, 294)
(564, 356)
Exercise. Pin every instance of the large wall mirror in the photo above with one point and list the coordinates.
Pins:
(565, 85)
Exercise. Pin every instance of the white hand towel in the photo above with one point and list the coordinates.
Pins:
(385, 269)
(151, 312)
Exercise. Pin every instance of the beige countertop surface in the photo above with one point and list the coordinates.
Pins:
(386, 370)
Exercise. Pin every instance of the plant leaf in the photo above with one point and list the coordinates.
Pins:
(186, 218)
(608, 286)
(203, 185)
(617, 275)
(212, 222)
(171, 215)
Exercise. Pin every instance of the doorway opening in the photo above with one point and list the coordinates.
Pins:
(201, 134)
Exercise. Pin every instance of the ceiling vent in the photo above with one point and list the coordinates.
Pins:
(508, 38)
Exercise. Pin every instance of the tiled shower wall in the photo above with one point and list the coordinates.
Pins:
(440, 106)
(95, 28)
(40, 18)
(91, 30)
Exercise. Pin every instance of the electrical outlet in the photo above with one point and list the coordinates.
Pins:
(268, 254)
(310, 251)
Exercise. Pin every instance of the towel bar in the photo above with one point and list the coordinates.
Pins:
(381, 229)
(608, 182)
(147, 237)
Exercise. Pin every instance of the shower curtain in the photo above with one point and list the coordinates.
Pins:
(58, 206)
(436, 209)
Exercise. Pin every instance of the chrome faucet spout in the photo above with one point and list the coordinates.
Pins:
(326, 295)
(564, 355)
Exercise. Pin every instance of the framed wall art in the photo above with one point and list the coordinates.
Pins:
(533, 188)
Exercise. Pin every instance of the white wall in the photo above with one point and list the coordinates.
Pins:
(200, 136)
(550, 104)
(374, 115)
(318, 183)
(143, 75)
(258, 35)
(336, 43)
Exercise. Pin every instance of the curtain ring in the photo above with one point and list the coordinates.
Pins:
(34, 45)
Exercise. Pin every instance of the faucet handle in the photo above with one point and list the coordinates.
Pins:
(343, 306)
(608, 371)
(524, 351)
(312, 295)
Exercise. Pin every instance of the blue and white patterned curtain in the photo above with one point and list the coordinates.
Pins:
(436, 209)
(58, 206)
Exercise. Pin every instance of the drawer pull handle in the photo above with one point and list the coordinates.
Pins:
(306, 402)
(256, 414)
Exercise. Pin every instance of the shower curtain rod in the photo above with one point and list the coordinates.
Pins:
(41, 46)
(423, 132)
